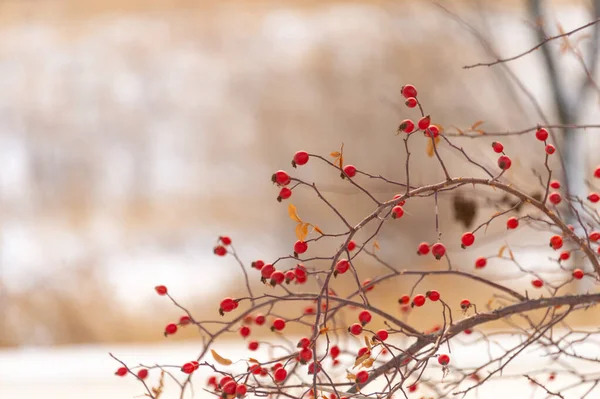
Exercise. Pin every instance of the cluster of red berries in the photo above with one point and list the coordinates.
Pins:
(504, 162)
(142, 373)
(268, 272)
(438, 250)
(542, 135)
(220, 249)
(228, 386)
(408, 126)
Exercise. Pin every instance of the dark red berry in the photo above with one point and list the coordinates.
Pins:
(225, 240)
(253, 345)
(433, 295)
(229, 387)
(161, 290)
(267, 270)
(227, 305)
(277, 277)
(411, 102)
(577, 274)
(419, 300)
(350, 170)
(443, 359)
(597, 172)
(382, 335)
(480, 263)
(342, 266)
(245, 331)
(258, 264)
(406, 126)
(142, 374)
(397, 212)
(364, 317)
(555, 198)
(497, 147)
(300, 247)
(351, 245)
(432, 131)
(438, 250)
(281, 178)
(465, 304)
(284, 194)
(241, 390)
(121, 371)
(185, 320)
(404, 300)
(423, 249)
(300, 158)
(467, 239)
(408, 91)
(541, 134)
(170, 329)
(362, 376)
(564, 255)
(556, 242)
(555, 184)
(512, 223)
(593, 197)
(504, 162)
(188, 368)
(220, 250)
(424, 122)
(278, 324)
(334, 351)
(550, 149)
(355, 329)
(537, 283)
(280, 374)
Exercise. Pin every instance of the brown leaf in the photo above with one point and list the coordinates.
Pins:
(368, 363)
(318, 230)
(253, 360)
(430, 150)
(351, 377)
(362, 358)
(501, 251)
(376, 245)
(368, 343)
(220, 359)
(323, 330)
(476, 125)
(458, 130)
(335, 154)
(294, 213)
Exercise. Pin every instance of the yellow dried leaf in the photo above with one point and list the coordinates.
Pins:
(430, 151)
(501, 251)
(362, 358)
(368, 363)
(351, 377)
(368, 343)
(376, 245)
(335, 154)
(476, 125)
(220, 359)
(294, 213)
(253, 360)
(323, 330)
(299, 231)
(304, 231)
(458, 130)
(341, 161)
(318, 230)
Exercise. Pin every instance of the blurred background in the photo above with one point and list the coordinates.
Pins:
(134, 133)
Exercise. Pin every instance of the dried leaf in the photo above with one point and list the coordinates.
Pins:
(458, 130)
(362, 358)
(318, 230)
(253, 360)
(293, 213)
(220, 359)
(304, 231)
(475, 125)
(368, 363)
(376, 245)
(501, 251)
(335, 154)
(510, 253)
(368, 343)
(351, 377)
(323, 330)
(430, 150)
(299, 231)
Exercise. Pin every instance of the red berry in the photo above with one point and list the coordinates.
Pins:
(594, 236)
(351, 245)
(227, 305)
(468, 331)
(224, 381)
(225, 240)
(309, 310)
(408, 91)
(258, 264)
(438, 250)
(480, 263)
(161, 290)
(277, 277)
(355, 329)
(121, 371)
(300, 247)
(280, 374)
(334, 351)
(423, 249)
(465, 304)
(432, 130)
(195, 364)
(245, 331)
(253, 345)
(555, 184)
(278, 324)
(241, 390)
(300, 271)
(281, 178)
(497, 147)
(412, 388)
(382, 335)
(433, 295)
(350, 170)
(594, 197)
(467, 239)
(305, 355)
(397, 212)
(362, 376)
(537, 283)
(404, 300)
(419, 300)
(220, 250)
(364, 317)
(407, 126)
(170, 329)
(550, 149)
(504, 162)
(424, 122)
(188, 368)
(443, 359)
(367, 285)
(597, 172)
(555, 198)
(277, 366)
(184, 320)
(312, 368)
(342, 266)
(541, 134)
(411, 102)
(267, 271)
(512, 223)
(577, 274)
(300, 158)
(289, 276)
(142, 374)
(556, 242)
(229, 387)
(564, 255)
(285, 193)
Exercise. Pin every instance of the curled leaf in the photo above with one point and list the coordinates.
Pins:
(335, 154)
(292, 211)
(430, 150)
(318, 230)
(362, 358)
(304, 231)
(368, 343)
(220, 359)
(253, 360)
(501, 250)
(368, 363)
(476, 125)
(351, 377)
(299, 232)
